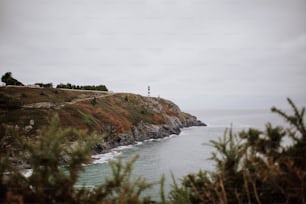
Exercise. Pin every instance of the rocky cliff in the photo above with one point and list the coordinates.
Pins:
(116, 118)
(166, 119)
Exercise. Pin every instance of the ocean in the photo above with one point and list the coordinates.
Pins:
(181, 154)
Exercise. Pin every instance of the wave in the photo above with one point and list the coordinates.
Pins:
(161, 139)
(119, 148)
(139, 143)
(233, 125)
(117, 151)
(103, 158)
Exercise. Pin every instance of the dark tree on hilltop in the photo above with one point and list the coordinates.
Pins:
(9, 80)
(86, 87)
(43, 85)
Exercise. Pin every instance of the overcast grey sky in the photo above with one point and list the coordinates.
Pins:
(198, 53)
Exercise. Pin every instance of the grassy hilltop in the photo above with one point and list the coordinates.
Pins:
(103, 113)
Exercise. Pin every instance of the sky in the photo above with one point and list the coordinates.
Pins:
(201, 54)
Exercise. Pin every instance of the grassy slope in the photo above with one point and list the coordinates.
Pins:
(118, 111)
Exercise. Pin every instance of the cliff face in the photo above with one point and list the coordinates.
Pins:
(117, 119)
(158, 118)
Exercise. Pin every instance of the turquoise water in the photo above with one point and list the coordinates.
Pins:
(182, 154)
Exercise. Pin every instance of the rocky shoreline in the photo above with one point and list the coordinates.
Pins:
(145, 131)
(142, 132)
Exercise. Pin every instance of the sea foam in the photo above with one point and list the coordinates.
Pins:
(103, 158)
(117, 151)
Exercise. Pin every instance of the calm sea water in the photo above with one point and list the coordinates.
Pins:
(182, 154)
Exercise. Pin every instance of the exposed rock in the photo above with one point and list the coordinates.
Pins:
(28, 129)
(144, 131)
(193, 122)
(32, 122)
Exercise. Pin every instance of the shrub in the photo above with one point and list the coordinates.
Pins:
(93, 101)
(8, 79)
(23, 95)
(56, 161)
(253, 166)
(87, 87)
(44, 85)
(8, 102)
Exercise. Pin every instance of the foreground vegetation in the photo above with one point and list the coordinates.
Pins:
(53, 182)
(252, 166)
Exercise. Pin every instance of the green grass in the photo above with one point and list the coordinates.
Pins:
(87, 119)
(35, 95)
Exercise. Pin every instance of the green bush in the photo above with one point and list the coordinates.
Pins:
(8, 102)
(253, 166)
(42, 93)
(93, 101)
(23, 95)
(56, 159)
(87, 87)
(8, 79)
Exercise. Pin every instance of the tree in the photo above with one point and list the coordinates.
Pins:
(86, 87)
(43, 85)
(9, 80)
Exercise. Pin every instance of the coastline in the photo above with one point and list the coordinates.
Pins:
(146, 131)
(104, 157)
(117, 151)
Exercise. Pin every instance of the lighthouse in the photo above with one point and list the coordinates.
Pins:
(149, 91)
